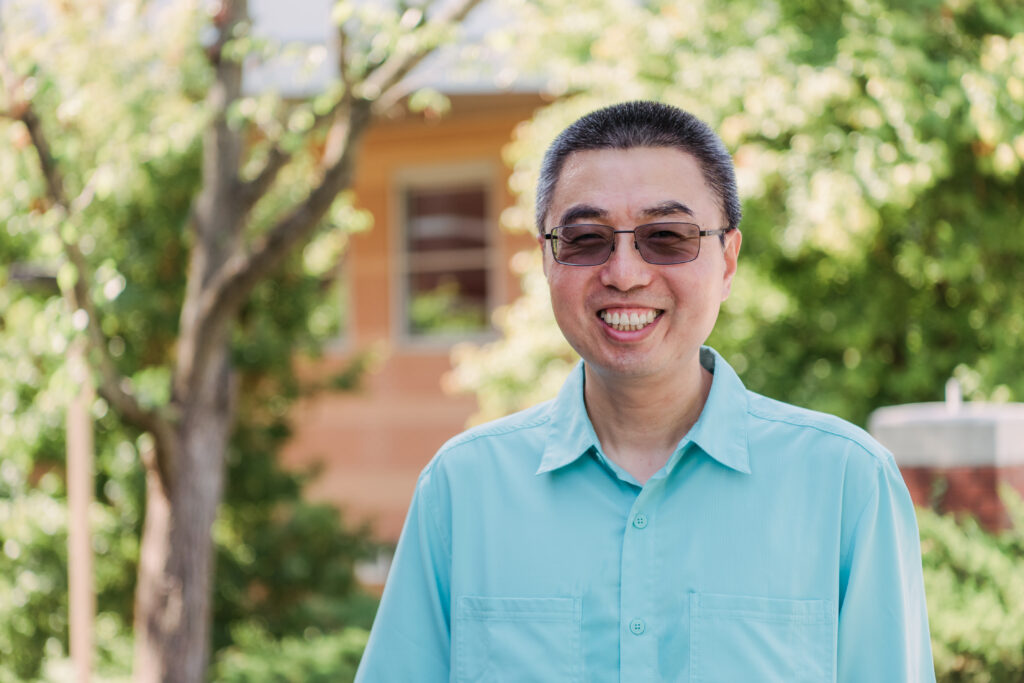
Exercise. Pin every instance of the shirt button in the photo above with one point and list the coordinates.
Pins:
(637, 627)
(640, 520)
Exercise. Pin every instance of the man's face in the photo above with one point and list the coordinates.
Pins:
(623, 189)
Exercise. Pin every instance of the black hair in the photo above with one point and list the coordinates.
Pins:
(643, 124)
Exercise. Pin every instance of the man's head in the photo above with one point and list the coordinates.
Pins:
(643, 124)
(639, 301)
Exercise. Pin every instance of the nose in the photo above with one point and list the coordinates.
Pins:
(625, 269)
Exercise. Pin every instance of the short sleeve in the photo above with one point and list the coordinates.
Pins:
(883, 620)
(411, 635)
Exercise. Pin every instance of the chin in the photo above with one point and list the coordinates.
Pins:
(625, 368)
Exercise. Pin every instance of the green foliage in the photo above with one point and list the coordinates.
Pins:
(34, 389)
(123, 107)
(113, 643)
(531, 360)
(29, 593)
(313, 657)
(443, 310)
(282, 563)
(878, 148)
(974, 582)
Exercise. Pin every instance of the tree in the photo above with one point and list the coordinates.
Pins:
(878, 150)
(97, 143)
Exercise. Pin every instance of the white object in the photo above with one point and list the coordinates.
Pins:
(953, 433)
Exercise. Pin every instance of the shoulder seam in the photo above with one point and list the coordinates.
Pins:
(813, 425)
(473, 435)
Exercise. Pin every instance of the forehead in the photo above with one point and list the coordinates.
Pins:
(628, 184)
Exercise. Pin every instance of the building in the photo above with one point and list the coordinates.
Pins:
(427, 276)
(957, 456)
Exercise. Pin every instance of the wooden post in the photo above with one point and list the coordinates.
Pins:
(81, 597)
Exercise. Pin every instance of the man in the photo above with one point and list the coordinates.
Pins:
(656, 521)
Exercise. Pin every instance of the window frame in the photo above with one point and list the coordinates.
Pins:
(440, 177)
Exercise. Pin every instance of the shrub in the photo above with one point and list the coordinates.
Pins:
(315, 657)
(975, 586)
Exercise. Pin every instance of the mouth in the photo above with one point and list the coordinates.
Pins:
(629, 319)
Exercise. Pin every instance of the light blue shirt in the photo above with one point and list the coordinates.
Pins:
(776, 544)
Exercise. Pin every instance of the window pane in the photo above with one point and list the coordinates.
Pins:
(449, 218)
(446, 260)
(448, 302)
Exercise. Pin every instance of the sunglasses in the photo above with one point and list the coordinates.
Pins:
(661, 244)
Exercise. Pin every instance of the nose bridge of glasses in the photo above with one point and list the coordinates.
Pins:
(632, 237)
(625, 269)
(626, 257)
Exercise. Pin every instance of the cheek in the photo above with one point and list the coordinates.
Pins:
(699, 297)
(567, 294)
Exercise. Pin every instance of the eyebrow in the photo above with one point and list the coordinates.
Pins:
(582, 212)
(667, 208)
(589, 212)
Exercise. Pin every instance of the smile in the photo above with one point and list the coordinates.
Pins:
(629, 320)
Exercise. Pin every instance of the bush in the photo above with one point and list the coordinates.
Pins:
(975, 586)
(316, 657)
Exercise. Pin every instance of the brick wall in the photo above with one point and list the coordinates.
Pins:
(956, 457)
(965, 490)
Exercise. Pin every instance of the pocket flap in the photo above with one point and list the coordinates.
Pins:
(511, 609)
(763, 609)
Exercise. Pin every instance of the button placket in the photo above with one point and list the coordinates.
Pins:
(637, 604)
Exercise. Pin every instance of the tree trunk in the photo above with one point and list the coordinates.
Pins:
(172, 600)
(172, 603)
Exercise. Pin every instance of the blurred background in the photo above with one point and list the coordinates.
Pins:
(259, 260)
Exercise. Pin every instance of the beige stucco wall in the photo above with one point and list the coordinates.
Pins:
(372, 444)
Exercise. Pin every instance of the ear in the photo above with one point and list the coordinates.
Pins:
(731, 252)
(543, 253)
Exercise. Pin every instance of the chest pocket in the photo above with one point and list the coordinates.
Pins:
(517, 639)
(741, 638)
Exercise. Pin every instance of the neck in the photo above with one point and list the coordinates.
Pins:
(640, 421)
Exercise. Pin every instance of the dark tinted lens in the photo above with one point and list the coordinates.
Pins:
(666, 243)
(583, 245)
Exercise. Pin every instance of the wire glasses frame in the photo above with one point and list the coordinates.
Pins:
(661, 244)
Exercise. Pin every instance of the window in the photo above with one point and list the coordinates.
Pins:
(446, 278)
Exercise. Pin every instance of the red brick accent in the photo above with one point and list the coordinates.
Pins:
(1014, 476)
(919, 481)
(967, 490)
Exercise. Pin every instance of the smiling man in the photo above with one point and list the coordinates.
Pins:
(656, 521)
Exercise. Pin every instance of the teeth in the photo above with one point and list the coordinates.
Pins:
(628, 322)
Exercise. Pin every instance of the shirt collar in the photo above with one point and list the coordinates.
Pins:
(570, 432)
(720, 431)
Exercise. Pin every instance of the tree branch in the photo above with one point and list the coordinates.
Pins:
(47, 164)
(252, 190)
(232, 284)
(222, 146)
(112, 384)
(384, 84)
(383, 80)
(346, 77)
(225, 290)
(217, 215)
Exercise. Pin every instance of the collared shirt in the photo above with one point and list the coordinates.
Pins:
(776, 544)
